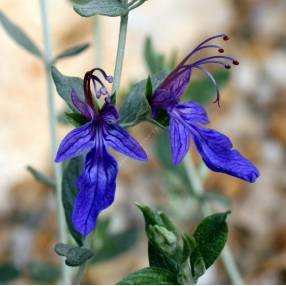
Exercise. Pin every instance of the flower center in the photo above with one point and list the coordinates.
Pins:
(90, 79)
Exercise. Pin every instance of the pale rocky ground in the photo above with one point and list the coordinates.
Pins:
(253, 114)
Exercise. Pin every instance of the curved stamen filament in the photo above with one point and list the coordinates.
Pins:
(199, 46)
(213, 57)
(210, 76)
(214, 62)
(175, 74)
(219, 48)
(107, 77)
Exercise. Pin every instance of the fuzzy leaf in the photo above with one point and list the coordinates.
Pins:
(76, 256)
(19, 36)
(64, 85)
(150, 276)
(62, 249)
(209, 238)
(135, 107)
(71, 52)
(40, 177)
(69, 192)
(111, 8)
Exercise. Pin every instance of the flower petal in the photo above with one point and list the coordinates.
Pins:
(216, 151)
(179, 138)
(109, 113)
(75, 142)
(81, 106)
(163, 98)
(120, 140)
(178, 82)
(96, 189)
(191, 112)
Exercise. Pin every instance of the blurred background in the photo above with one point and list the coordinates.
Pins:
(252, 113)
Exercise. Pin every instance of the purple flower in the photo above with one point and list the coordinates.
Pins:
(97, 182)
(186, 118)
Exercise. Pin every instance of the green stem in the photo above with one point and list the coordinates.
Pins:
(120, 51)
(197, 186)
(79, 275)
(53, 131)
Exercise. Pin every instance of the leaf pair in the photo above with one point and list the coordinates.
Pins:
(176, 258)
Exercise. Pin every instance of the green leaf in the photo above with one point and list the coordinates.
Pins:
(203, 91)
(114, 245)
(76, 119)
(111, 8)
(19, 36)
(210, 238)
(150, 276)
(157, 258)
(69, 192)
(71, 52)
(135, 107)
(40, 177)
(149, 89)
(8, 272)
(65, 84)
(43, 273)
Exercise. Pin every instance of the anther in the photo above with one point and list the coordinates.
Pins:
(98, 94)
(227, 67)
(221, 50)
(225, 38)
(109, 79)
(103, 90)
(235, 62)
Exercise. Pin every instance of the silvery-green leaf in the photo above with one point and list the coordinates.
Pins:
(111, 8)
(19, 36)
(49, 182)
(71, 52)
(65, 84)
(135, 107)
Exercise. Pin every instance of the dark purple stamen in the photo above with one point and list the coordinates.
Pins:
(90, 77)
(216, 59)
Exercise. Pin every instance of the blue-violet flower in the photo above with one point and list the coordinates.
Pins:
(185, 118)
(97, 182)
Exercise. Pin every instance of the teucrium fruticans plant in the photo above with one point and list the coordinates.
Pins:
(88, 183)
